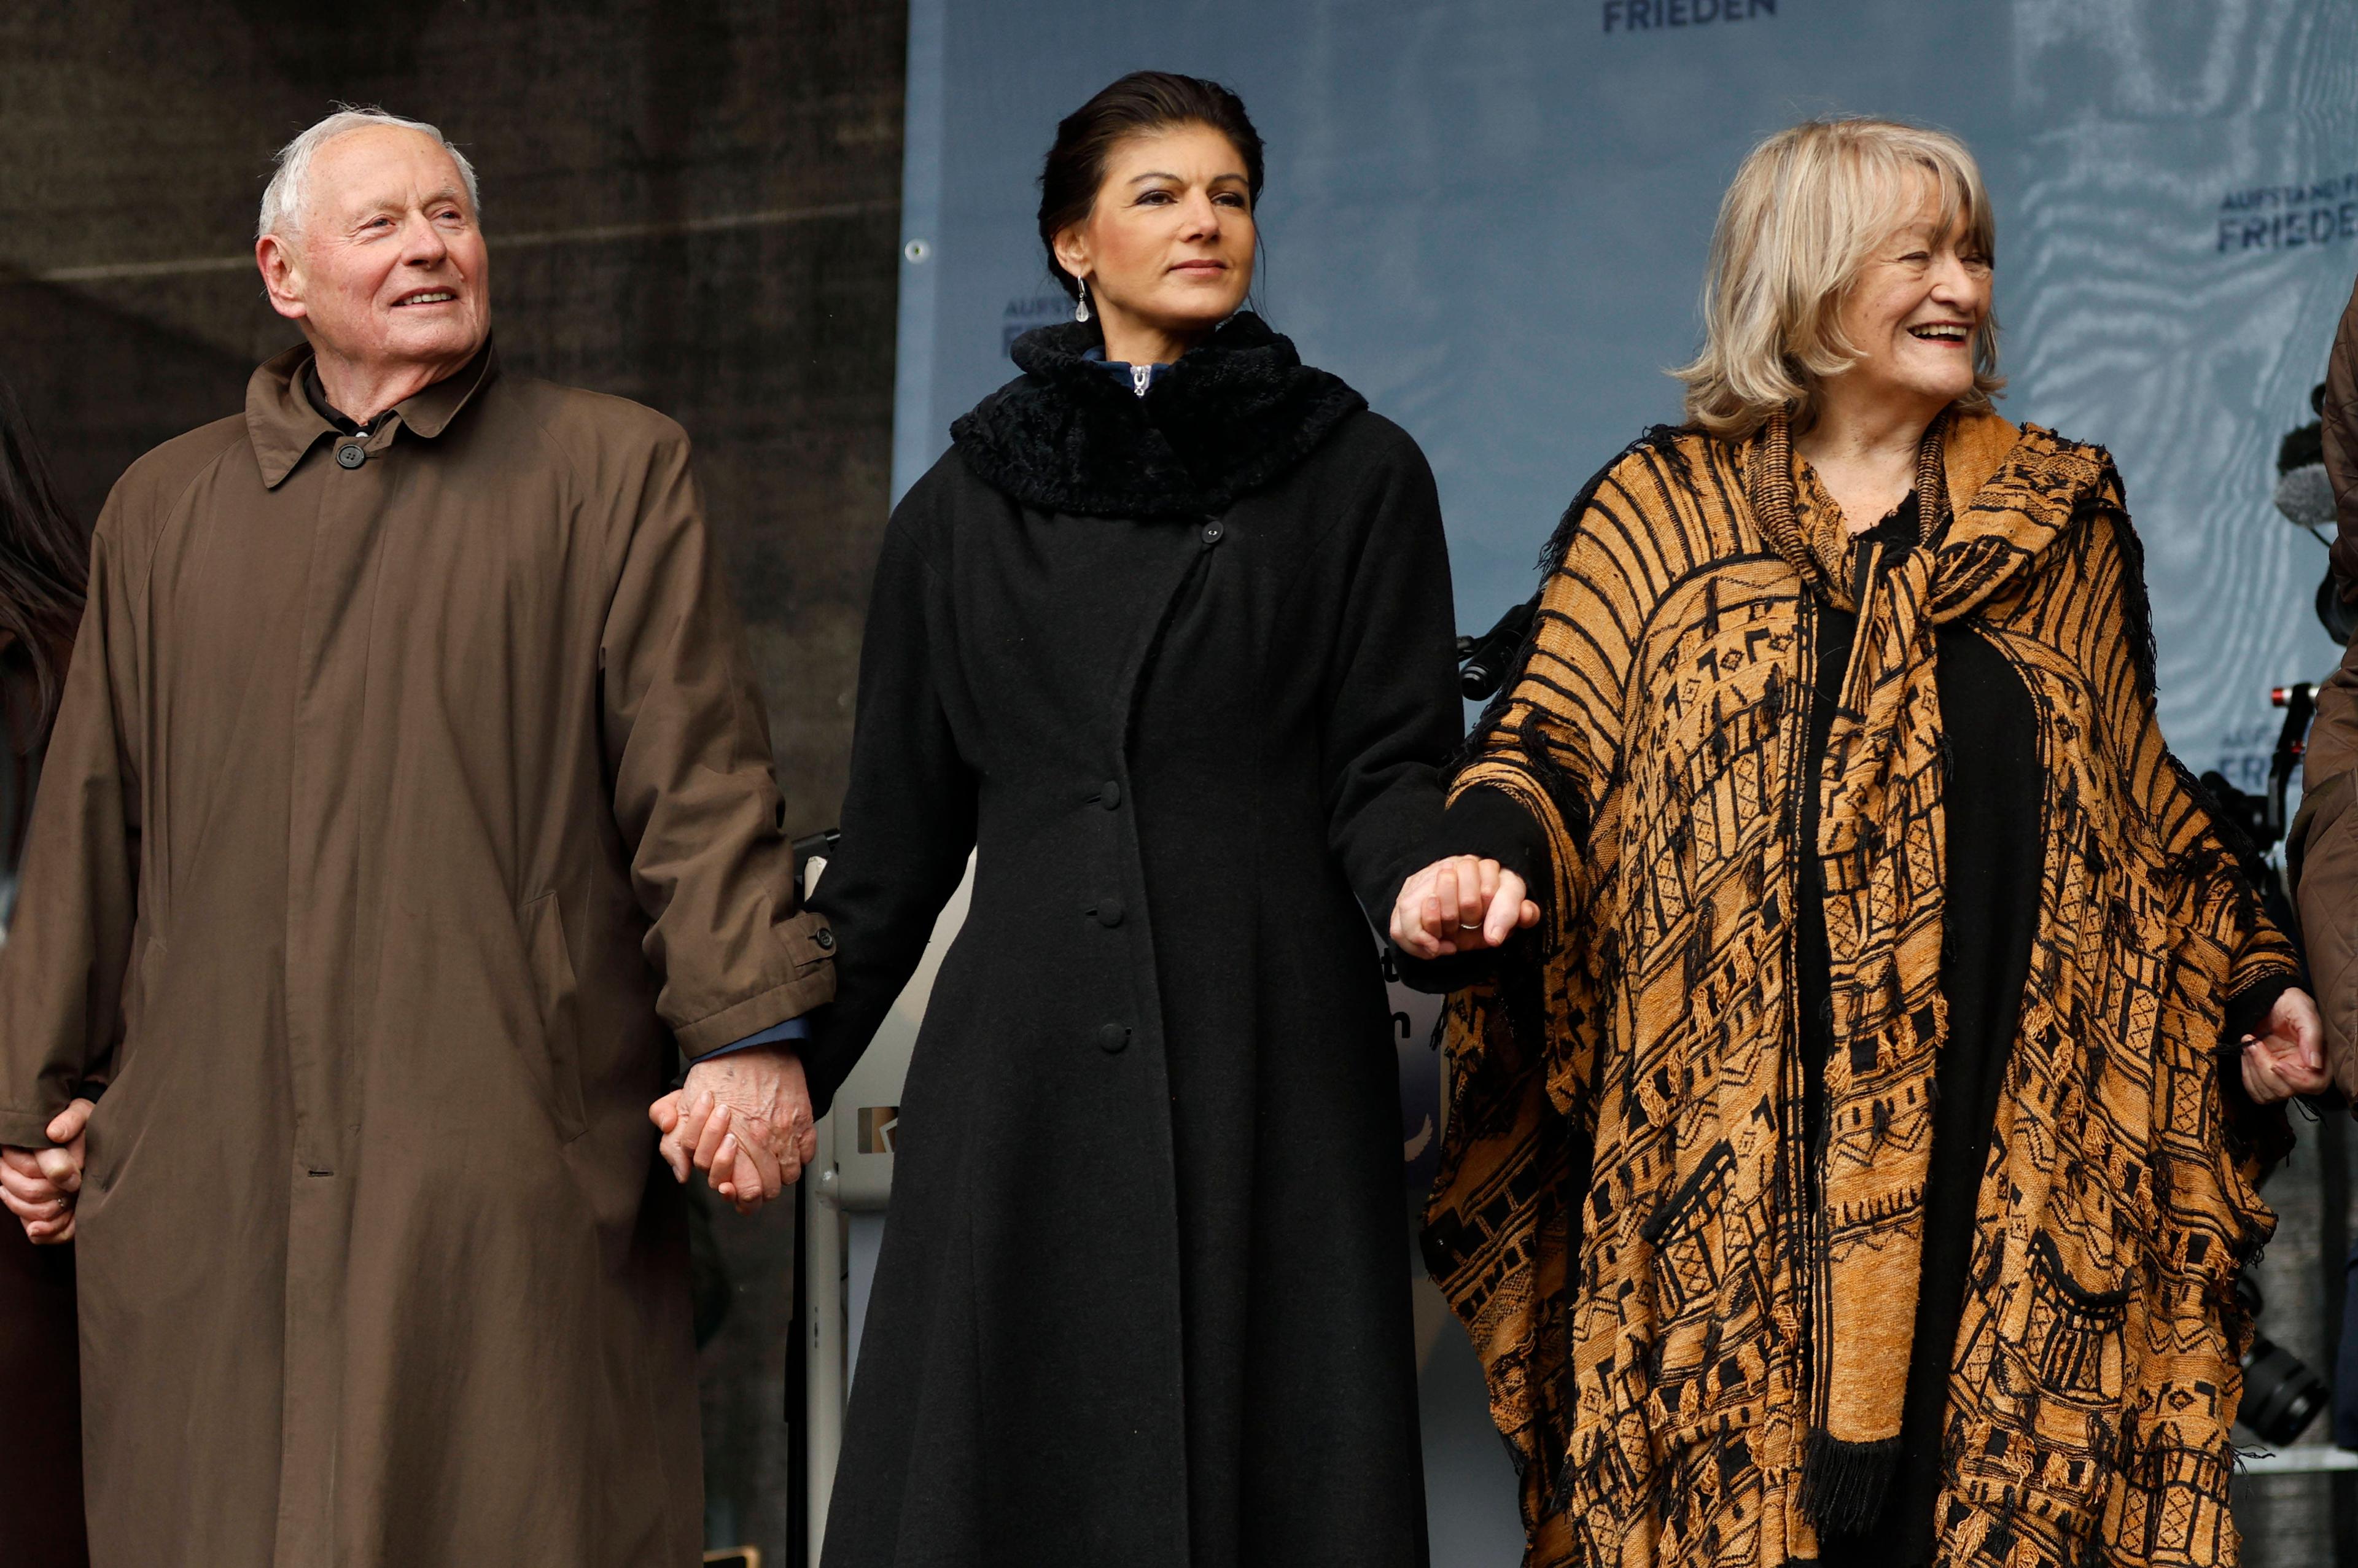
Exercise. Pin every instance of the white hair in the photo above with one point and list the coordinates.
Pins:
(282, 199)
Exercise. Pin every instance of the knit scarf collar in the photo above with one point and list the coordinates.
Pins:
(1226, 418)
(1882, 852)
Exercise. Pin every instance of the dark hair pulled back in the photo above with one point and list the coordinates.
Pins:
(1140, 103)
(44, 567)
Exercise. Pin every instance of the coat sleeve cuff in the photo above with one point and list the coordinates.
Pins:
(25, 1129)
(1492, 825)
(2252, 1126)
(732, 1027)
(776, 1035)
(2250, 1007)
(828, 1060)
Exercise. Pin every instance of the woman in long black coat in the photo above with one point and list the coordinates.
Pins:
(1168, 637)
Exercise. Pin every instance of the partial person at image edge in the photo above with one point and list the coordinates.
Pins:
(44, 562)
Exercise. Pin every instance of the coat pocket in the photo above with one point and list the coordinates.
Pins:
(556, 1067)
(103, 1156)
(138, 990)
(2075, 1334)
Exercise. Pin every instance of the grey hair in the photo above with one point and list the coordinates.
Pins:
(282, 199)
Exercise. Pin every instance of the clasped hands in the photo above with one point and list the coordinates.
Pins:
(744, 1120)
(40, 1187)
(1461, 905)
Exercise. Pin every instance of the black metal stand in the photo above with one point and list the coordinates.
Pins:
(798, 1500)
(2334, 1250)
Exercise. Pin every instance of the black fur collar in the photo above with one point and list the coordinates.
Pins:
(1231, 417)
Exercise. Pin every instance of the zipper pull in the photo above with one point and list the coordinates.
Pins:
(1141, 378)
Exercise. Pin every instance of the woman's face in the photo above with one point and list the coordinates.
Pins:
(1916, 309)
(1169, 245)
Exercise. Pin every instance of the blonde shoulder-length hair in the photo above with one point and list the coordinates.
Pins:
(1803, 215)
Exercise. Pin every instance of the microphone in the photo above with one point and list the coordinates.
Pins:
(2305, 496)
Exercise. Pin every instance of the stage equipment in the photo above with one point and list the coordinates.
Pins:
(2304, 495)
(2281, 1395)
(1483, 661)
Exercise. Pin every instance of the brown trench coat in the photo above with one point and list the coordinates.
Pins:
(410, 797)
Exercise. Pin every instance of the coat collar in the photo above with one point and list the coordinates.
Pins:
(1227, 418)
(283, 425)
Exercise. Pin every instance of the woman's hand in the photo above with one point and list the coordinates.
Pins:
(1460, 904)
(2289, 1057)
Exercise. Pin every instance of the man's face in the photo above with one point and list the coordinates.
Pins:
(388, 270)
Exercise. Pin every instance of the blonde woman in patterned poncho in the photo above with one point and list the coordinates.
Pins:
(1854, 1163)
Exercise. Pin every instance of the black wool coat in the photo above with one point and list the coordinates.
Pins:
(1181, 666)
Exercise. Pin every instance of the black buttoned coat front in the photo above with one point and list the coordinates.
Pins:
(1180, 668)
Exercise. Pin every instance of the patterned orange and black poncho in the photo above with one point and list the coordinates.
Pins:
(1674, 1299)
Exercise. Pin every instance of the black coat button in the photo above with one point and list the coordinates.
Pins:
(1109, 911)
(350, 455)
(825, 938)
(1110, 795)
(1112, 1038)
(1211, 532)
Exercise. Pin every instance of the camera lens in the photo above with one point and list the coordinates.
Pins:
(2281, 1396)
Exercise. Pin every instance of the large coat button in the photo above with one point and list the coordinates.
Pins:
(350, 455)
(1211, 532)
(1108, 912)
(1110, 795)
(1112, 1038)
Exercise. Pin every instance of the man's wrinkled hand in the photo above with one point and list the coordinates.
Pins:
(745, 1121)
(40, 1187)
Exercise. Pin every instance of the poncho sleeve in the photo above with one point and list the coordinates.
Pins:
(1502, 1233)
(2218, 890)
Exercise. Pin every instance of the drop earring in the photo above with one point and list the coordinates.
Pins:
(1081, 306)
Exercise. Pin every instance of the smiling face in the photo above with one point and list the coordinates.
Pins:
(1167, 250)
(1916, 307)
(388, 272)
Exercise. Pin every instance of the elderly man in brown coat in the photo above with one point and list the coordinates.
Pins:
(410, 798)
